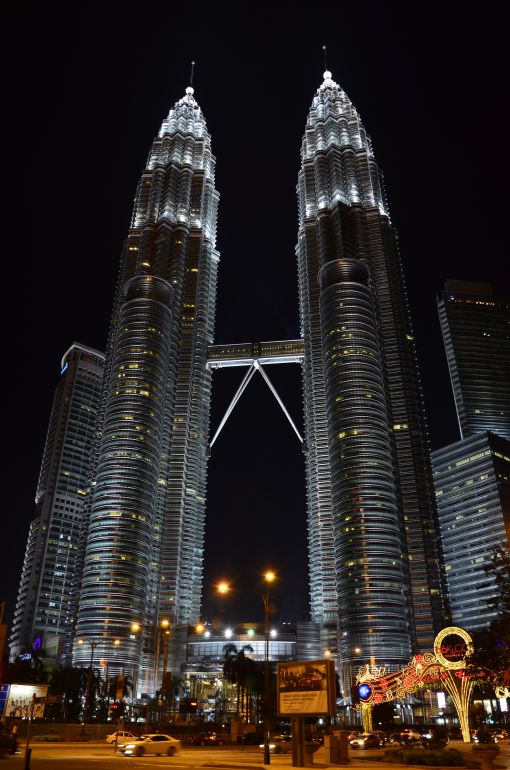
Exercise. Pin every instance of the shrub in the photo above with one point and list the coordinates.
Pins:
(449, 758)
(486, 747)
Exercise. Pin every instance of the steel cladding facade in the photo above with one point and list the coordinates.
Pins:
(144, 554)
(343, 214)
(370, 572)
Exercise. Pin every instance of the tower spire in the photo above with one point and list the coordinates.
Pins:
(326, 74)
(190, 90)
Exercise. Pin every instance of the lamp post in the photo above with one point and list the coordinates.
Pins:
(166, 638)
(269, 577)
(88, 690)
(223, 588)
(135, 629)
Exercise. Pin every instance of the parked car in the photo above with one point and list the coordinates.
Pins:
(206, 739)
(122, 736)
(366, 741)
(155, 743)
(280, 744)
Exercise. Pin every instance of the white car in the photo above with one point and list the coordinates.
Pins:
(122, 737)
(280, 744)
(155, 743)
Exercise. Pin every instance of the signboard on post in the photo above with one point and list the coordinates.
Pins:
(306, 688)
(20, 700)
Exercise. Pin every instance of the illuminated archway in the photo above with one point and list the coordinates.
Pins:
(447, 665)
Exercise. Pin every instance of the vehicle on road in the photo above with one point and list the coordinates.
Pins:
(280, 744)
(122, 736)
(410, 736)
(366, 741)
(154, 743)
(206, 739)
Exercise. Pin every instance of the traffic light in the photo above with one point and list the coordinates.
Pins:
(117, 709)
(188, 706)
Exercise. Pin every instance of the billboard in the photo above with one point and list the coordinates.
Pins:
(20, 699)
(306, 688)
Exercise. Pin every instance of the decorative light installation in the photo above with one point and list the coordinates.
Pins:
(446, 665)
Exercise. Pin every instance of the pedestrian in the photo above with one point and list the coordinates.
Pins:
(14, 739)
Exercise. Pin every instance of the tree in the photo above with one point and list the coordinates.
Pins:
(240, 670)
(70, 683)
(491, 646)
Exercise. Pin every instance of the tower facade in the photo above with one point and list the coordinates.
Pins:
(474, 324)
(368, 531)
(472, 483)
(144, 553)
(47, 585)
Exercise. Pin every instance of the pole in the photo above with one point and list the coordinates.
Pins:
(156, 659)
(28, 750)
(267, 756)
(89, 687)
(166, 639)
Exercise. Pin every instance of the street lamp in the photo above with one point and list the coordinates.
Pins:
(269, 578)
(93, 645)
(223, 588)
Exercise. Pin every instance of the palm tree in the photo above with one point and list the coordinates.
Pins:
(238, 670)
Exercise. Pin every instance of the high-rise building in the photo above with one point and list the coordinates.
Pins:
(476, 333)
(144, 552)
(472, 482)
(374, 572)
(46, 592)
(374, 568)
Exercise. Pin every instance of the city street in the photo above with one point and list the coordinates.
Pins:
(72, 756)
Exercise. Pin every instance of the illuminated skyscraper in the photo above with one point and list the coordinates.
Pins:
(144, 553)
(475, 326)
(372, 528)
(472, 482)
(47, 585)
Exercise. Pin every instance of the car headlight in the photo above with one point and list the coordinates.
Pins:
(130, 745)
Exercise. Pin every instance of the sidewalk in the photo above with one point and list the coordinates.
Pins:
(281, 761)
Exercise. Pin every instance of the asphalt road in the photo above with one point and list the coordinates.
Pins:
(99, 756)
(72, 756)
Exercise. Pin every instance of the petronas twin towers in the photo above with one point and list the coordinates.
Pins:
(374, 570)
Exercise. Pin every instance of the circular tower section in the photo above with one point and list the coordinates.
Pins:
(372, 606)
(121, 530)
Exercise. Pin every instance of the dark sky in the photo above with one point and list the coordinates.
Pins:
(85, 90)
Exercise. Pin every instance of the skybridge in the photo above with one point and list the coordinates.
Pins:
(255, 355)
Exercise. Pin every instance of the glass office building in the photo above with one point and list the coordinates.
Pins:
(475, 324)
(343, 216)
(472, 482)
(48, 584)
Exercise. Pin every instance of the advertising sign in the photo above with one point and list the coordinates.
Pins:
(20, 699)
(451, 647)
(306, 688)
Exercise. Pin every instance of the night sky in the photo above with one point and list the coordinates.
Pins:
(85, 91)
